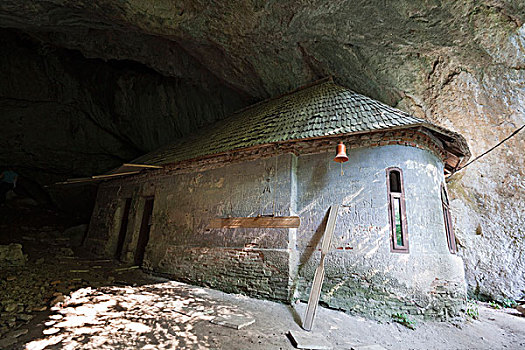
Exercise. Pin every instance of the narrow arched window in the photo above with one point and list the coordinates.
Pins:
(449, 229)
(396, 210)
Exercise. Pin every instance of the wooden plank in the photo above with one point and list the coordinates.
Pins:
(142, 166)
(106, 176)
(256, 222)
(96, 177)
(302, 340)
(315, 293)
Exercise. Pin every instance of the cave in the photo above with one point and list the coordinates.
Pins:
(88, 88)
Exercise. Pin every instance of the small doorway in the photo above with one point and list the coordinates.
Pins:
(123, 228)
(145, 227)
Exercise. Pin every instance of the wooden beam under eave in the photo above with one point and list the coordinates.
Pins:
(142, 166)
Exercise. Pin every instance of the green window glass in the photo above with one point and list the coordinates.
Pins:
(396, 210)
(397, 221)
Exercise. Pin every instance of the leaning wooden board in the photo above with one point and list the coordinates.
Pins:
(255, 222)
(315, 293)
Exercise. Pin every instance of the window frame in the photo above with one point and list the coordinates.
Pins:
(392, 197)
(447, 220)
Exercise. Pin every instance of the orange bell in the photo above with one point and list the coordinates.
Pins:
(341, 156)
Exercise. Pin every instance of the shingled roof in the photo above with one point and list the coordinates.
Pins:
(320, 110)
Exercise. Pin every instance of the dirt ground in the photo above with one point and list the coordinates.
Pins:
(63, 298)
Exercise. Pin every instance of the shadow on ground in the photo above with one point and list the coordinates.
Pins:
(158, 316)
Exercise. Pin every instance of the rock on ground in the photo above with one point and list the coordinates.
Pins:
(11, 255)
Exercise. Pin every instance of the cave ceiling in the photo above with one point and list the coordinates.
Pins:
(263, 48)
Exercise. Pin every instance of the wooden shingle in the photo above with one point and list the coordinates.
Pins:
(316, 111)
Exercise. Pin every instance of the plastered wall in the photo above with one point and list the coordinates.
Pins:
(181, 244)
(363, 275)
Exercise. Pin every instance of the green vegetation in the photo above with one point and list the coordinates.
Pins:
(505, 302)
(472, 310)
(494, 305)
(404, 320)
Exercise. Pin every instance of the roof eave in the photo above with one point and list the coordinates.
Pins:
(452, 143)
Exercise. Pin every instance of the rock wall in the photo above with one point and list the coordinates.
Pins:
(489, 195)
(458, 63)
(67, 116)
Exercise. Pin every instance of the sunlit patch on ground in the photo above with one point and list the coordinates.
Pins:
(173, 315)
(156, 316)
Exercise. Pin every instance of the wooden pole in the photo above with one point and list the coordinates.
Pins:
(315, 293)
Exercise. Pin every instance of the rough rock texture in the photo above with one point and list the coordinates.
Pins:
(76, 234)
(11, 255)
(458, 63)
(66, 116)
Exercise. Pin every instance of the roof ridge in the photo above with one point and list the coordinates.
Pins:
(326, 79)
